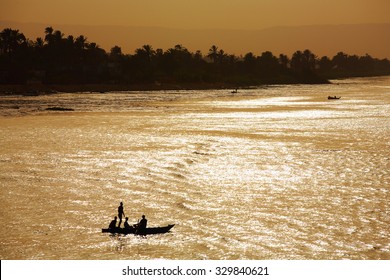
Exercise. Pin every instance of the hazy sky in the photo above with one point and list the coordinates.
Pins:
(193, 14)
(93, 19)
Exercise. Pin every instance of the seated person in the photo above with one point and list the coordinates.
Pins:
(126, 224)
(113, 224)
(142, 225)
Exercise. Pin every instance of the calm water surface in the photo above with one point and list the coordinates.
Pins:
(270, 173)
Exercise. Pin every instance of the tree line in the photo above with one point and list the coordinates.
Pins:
(60, 59)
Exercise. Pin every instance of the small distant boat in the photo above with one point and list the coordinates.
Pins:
(132, 230)
(59, 109)
(334, 97)
(234, 91)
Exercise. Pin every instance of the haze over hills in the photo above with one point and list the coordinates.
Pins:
(359, 39)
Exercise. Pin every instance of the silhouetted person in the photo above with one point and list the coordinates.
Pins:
(126, 224)
(120, 213)
(141, 228)
(113, 224)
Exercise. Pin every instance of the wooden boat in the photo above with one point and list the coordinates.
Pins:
(132, 230)
(334, 97)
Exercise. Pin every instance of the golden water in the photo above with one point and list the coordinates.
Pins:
(269, 173)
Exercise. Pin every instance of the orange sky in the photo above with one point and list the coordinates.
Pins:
(74, 17)
(224, 14)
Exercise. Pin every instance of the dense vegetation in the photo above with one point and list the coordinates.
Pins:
(56, 59)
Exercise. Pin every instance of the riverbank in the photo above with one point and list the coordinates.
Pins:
(38, 89)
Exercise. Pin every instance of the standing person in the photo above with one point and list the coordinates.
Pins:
(120, 213)
(141, 228)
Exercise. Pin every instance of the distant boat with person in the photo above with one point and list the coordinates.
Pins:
(334, 97)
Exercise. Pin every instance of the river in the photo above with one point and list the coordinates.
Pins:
(276, 172)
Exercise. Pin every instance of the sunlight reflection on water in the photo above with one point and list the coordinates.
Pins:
(260, 175)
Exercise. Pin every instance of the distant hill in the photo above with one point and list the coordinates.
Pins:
(356, 39)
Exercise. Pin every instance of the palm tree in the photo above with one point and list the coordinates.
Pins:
(49, 34)
(92, 46)
(11, 40)
(309, 60)
(146, 52)
(283, 60)
(221, 56)
(116, 52)
(325, 64)
(58, 36)
(340, 60)
(144, 64)
(39, 42)
(213, 53)
(249, 63)
(80, 42)
(297, 61)
(198, 55)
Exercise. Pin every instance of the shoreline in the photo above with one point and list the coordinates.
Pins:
(41, 89)
(37, 89)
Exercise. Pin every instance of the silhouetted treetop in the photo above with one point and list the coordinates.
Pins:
(60, 58)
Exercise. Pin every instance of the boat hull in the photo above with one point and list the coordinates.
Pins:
(132, 230)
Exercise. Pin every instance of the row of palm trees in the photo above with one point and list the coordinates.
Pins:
(57, 58)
